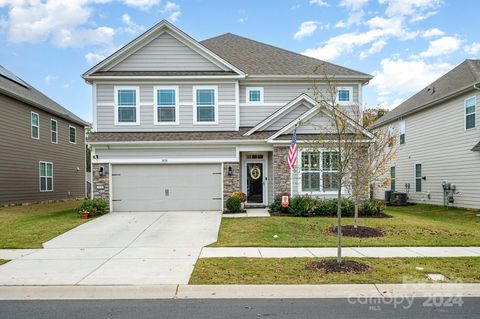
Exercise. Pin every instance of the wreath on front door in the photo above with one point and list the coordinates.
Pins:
(255, 173)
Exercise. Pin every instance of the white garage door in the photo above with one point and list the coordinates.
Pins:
(172, 187)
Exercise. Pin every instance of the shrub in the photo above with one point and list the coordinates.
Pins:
(302, 206)
(234, 204)
(276, 206)
(94, 207)
(372, 207)
(326, 207)
(241, 196)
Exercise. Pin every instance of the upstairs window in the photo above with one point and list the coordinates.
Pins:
(35, 124)
(418, 178)
(205, 105)
(470, 106)
(53, 131)
(46, 176)
(254, 95)
(402, 132)
(127, 107)
(72, 135)
(392, 178)
(166, 101)
(344, 95)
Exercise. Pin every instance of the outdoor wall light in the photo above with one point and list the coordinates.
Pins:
(230, 171)
(100, 171)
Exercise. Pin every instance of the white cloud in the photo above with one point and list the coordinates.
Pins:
(306, 29)
(66, 38)
(142, 4)
(433, 33)
(242, 19)
(94, 57)
(375, 48)
(355, 8)
(321, 3)
(66, 86)
(400, 78)
(49, 78)
(443, 46)
(172, 10)
(413, 8)
(473, 48)
(131, 27)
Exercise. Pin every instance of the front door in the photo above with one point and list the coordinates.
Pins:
(255, 184)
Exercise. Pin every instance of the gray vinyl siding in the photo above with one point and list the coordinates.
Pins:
(165, 53)
(190, 153)
(317, 125)
(20, 156)
(437, 139)
(276, 95)
(287, 118)
(106, 110)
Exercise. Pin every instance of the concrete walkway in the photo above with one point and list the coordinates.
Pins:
(117, 249)
(272, 252)
(350, 291)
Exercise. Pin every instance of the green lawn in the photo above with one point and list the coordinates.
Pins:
(215, 271)
(418, 225)
(30, 226)
(3, 261)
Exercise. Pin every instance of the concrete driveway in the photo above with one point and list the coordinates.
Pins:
(119, 249)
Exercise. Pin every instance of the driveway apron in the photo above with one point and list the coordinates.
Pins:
(119, 249)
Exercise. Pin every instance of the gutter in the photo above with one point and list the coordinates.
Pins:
(90, 78)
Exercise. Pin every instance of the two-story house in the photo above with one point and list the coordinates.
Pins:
(439, 140)
(181, 124)
(42, 146)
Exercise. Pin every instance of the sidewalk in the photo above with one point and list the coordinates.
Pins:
(350, 291)
(273, 252)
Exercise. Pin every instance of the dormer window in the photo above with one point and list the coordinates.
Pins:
(254, 95)
(344, 95)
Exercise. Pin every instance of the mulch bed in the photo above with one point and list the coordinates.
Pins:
(359, 232)
(381, 215)
(332, 266)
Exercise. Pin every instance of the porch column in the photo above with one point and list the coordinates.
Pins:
(230, 183)
(281, 173)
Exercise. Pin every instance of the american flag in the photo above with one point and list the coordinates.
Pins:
(292, 153)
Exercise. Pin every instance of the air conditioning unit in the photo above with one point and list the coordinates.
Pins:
(398, 199)
(388, 196)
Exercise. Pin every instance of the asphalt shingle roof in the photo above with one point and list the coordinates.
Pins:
(28, 94)
(464, 75)
(256, 58)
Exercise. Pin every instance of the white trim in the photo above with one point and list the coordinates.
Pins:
(105, 104)
(94, 106)
(110, 188)
(263, 104)
(221, 184)
(320, 172)
(156, 106)
(282, 111)
(52, 131)
(70, 127)
(165, 160)
(465, 113)
(92, 153)
(355, 78)
(350, 95)
(415, 177)
(247, 95)
(137, 104)
(237, 105)
(44, 176)
(32, 126)
(164, 77)
(187, 142)
(205, 87)
(265, 177)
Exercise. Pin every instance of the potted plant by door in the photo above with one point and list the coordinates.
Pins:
(242, 197)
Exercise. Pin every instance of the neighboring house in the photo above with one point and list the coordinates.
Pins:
(181, 124)
(439, 139)
(42, 146)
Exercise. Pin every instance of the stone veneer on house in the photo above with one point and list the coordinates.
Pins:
(100, 184)
(281, 173)
(230, 183)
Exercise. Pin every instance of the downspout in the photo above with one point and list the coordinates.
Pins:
(476, 87)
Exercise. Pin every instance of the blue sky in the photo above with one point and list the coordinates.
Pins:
(406, 44)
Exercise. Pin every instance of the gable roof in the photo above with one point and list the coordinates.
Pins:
(150, 35)
(256, 58)
(457, 81)
(13, 86)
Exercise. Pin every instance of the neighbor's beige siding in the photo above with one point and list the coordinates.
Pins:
(20, 156)
(436, 138)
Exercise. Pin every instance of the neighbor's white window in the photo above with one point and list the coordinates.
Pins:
(319, 171)
(205, 105)
(46, 176)
(72, 135)
(392, 178)
(166, 105)
(53, 131)
(344, 95)
(470, 111)
(127, 105)
(402, 132)
(254, 95)
(418, 178)
(35, 124)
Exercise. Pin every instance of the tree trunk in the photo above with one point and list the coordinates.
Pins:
(355, 223)
(339, 225)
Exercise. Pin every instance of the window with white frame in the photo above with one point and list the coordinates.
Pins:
(205, 104)
(392, 178)
(254, 95)
(319, 171)
(46, 176)
(166, 105)
(53, 131)
(344, 95)
(72, 135)
(35, 124)
(402, 132)
(470, 111)
(418, 178)
(126, 105)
